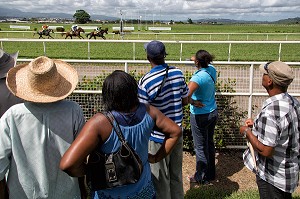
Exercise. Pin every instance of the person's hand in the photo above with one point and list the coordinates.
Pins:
(249, 122)
(151, 158)
(198, 104)
(242, 129)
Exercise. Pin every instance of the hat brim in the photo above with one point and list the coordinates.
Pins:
(8, 64)
(18, 83)
(262, 68)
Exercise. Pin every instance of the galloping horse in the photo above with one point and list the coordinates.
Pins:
(45, 32)
(76, 34)
(98, 34)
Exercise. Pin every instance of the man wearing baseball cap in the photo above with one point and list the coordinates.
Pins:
(7, 99)
(165, 88)
(274, 135)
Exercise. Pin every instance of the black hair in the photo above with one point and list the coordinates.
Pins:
(120, 92)
(204, 58)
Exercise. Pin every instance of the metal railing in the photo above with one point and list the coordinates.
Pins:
(181, 43)
(243, 78)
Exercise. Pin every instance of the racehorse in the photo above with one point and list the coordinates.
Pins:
(98, 34)
(71, 34)
(45, 32)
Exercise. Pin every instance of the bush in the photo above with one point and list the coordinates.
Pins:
(229, 117)
(60, 29)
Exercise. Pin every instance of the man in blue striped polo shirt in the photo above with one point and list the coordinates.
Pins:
(165, 88)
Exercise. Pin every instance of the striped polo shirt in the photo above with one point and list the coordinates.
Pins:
(169, 99)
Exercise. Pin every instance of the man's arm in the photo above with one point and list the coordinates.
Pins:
(262, 149)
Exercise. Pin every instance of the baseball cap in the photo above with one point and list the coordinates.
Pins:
(281, 73)
(7, 61)
(155, 49)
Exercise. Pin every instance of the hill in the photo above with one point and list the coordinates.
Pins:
(15, 13)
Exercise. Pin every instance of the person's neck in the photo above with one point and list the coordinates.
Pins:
(274, 91)
(156, 64)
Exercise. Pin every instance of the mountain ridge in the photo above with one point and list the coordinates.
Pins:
(15, 13)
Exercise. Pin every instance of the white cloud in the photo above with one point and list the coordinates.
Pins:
(167, 9)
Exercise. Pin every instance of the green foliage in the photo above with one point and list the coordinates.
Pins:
(229, 119)
(190, 21)
(60, 29)
(81, 17)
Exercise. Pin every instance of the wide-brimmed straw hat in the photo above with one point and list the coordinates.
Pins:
(43, 80)
(7, 61)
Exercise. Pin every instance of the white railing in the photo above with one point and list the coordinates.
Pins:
(44, 41)
(248, 92)
(244, 91)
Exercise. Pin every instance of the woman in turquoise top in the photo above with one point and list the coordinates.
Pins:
(136, 121)
(203, 116)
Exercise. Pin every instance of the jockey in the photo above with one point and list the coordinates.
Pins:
(98, 29)
(44, 28)
(74, 28)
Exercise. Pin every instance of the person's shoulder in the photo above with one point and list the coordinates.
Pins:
(69, 104)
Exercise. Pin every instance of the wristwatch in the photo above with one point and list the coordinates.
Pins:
(245, 132)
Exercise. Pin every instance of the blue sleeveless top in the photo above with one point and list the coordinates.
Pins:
(136, 128)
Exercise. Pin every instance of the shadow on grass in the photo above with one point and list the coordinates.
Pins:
(229, 162)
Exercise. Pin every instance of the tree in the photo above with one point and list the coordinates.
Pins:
(190, 21)
(81, 17)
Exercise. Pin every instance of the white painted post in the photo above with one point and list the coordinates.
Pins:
(180, 51)
(229, 49)
(89, 51)
(44, 45)
(279, 52)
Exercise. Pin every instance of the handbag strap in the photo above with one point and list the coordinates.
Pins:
(116, 127)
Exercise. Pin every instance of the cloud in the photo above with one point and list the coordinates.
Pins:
(269, 10)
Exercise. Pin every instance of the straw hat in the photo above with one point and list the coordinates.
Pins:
(43, 80)
(7, 61)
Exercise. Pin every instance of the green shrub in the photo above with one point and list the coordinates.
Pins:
(60, 29)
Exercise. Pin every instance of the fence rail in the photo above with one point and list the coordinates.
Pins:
(181, 43)
(246, 94)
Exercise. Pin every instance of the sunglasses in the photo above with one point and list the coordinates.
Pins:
(266, 67)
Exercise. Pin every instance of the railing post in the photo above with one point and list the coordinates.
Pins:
(44, 45)
(133, 50)
(126, 67)
(229, 49)
(250, 90)
(180, 52)
(89, 51)
(279, 53)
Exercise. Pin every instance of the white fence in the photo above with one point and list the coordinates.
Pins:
(247, 93)
(19, 27)
(181, 43)
(159, 28)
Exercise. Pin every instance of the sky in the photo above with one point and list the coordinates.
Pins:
(177, 10)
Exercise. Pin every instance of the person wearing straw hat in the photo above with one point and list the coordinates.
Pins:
(274, 135)
(7, 99)
(35, 134)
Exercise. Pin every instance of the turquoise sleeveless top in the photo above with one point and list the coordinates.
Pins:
(136, 128)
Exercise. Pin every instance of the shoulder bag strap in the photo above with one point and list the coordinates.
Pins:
(116, 127)
(210, 76)
(163, 82)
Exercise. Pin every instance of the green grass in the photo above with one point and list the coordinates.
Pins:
(211, 192)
